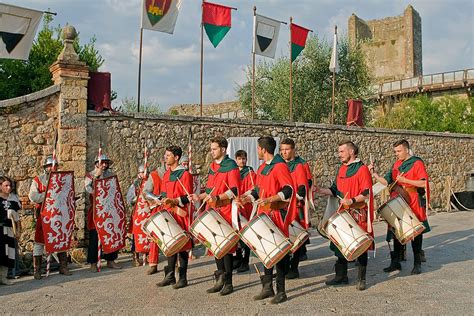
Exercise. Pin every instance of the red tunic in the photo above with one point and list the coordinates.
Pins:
(413, 169)
(300, 178)
(221, 177)
(171, 188)
(39, 237)
(271, 178)
(248, 178)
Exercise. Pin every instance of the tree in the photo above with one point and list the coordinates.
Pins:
(129, 105)
(18, 77)
(312, 84)
(448, 114)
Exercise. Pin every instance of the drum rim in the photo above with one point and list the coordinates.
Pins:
(392, 199)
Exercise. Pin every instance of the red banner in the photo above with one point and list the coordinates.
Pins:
(140, 214)
(57, 211)
(109, 214)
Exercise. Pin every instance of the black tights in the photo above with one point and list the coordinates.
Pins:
(281, 268)
(183, 260)
(416, 245)
(225, 263)
(362, 259)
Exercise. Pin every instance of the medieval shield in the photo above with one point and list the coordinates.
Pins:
(57, 211)
(140, 215)
(156, 9)
(109, 214)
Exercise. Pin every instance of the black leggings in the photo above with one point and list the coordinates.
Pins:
(92, 249)
(183, 260)
(362, 259)
(225, 263)
(281, 268)
(416, 245)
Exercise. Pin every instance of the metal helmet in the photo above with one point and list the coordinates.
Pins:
(141, 168)
(49, 161)
(103, 157)
(183, 159)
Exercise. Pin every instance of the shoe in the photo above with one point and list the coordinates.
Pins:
(183, 281)
(136, 262)
(293, 274)
(152, 270)
(361, 284)
(113, 265)
(267, 288)
(394, 262)
(62, 256)
(37, 261)
(169, 278)
(422, 254)
(219, 277)
(417, 264)
(93, 268)
(3, 276)
(303, 257)
(227, 288)
(341, 275)
(280, 296)
(243, 268)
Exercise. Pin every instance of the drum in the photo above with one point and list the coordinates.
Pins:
(347, 235)
(214, 232)
(163, 229)
(266, 240)
(298, 235)
(398, 214)
(331, 207)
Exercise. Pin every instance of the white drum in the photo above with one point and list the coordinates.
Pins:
(214, 232)
(347, 235)
(298, 235)
(398, 214)
(266, 240)
(163, 229)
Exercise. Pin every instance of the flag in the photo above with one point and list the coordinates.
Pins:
(334, 64)
(160, 15)
(17, 31)
(216, 19)
(298, 40)
(265, 35)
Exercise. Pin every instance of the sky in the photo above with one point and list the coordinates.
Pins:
(171, 63)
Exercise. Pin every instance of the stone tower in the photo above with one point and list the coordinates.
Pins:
(392, 44)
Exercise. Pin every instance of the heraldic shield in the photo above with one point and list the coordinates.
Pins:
(57, 211)
(109, 214)
(141, 214)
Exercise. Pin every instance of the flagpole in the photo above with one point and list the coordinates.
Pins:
(291, 73)
(140, 68)
(333, 84)
(202, 57)
(253, 64)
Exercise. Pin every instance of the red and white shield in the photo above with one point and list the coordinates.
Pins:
(57, 211)
(109, 214)
(141, 213)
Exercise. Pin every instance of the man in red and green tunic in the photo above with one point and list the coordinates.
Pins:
(176, 185)
(247, 183)
(274, 193)
(412, 184)
(301, 185)
(222, 187)
(353, 186)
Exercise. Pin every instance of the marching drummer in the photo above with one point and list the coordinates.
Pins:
(301, 184)
(176, 185)
(222, 187)
(274, 194)
(353, 187)
(410, 179)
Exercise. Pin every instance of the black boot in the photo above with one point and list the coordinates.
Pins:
(280, 296)
(267, 288)
(244, 266)
(227, 288)
(62, 256)
(422, 254)
(169, 277)
(294, 262)
(417, 264)
(183, 281)
(219, 276)
(237, 259)
(394, 262)
(361, 278)
(341, 274)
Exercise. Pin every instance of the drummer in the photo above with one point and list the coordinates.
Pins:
(176, 184)
(353, 186)
(222, 187)
(411, 179)
(300, 181)
(274, 193)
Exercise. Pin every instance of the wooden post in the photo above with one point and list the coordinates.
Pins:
(140, 69)
(291, 75)
(202, 57)
(253, 62)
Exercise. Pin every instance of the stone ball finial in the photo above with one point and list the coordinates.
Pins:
(69, 33)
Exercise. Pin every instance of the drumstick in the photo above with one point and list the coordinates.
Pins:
(340, 205)
(230, 189)
(184, 188)
(395, 182)
(205, 200)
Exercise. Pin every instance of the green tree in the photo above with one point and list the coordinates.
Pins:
(129, 105)
(312, 84)
(447, 114)
(18, 77)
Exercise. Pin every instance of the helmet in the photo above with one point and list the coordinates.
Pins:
(184, 159)
(103, 157)
(141, 168)
(49, 161)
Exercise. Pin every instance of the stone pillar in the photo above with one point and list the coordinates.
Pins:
(72, 75)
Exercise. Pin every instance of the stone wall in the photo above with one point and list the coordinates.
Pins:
(393, 45)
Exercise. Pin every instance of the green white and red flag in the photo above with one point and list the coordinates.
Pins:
(216, 19)
(299, 35)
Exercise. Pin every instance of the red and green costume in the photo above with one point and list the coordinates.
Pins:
(248, 178)
(171, 188)
(412, 168)
(271, 179)
(300, 183)
(352, 180)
